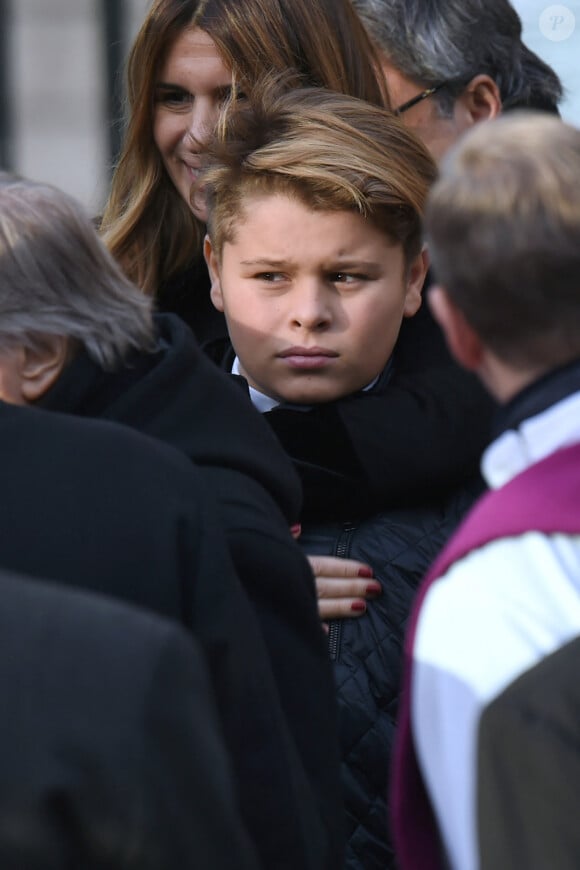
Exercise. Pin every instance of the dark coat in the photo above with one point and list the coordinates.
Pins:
(528, 768)
(399, 544)
(100, 506)
(177, 395)
(111, 750)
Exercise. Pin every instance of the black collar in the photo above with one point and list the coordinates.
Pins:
(535, 398)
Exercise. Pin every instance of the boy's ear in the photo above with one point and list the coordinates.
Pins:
(461, 338)
(213, 267)
(415, 279)
(42, 365)
(481, 99)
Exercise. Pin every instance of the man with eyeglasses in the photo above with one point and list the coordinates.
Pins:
(452, 63)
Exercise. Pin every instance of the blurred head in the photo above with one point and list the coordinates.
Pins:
(315, 259)
(503, 227)
(186, 57)
(464, 58)
(60, 290)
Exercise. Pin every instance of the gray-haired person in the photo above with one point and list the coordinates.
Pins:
(452, 63)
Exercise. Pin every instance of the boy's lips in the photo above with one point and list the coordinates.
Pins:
(308, 357)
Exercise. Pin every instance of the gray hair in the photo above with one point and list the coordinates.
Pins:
(503, 229)
(451, 41)
(57, 277)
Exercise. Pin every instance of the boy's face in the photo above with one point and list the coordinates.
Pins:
(313, 300)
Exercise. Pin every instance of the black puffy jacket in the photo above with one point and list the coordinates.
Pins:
(399, 544)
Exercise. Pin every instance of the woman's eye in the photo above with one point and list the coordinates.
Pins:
(173, 97)
(225, 93)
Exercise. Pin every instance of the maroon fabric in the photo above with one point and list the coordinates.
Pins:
(543, 498)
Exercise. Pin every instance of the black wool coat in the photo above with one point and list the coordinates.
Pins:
(111, 749)
(92, 504)
(178, 396)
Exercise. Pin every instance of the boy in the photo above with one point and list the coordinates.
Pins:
(485, 748)
(315, 252)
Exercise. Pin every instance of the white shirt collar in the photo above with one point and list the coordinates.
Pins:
(265, 403)
(261, 401)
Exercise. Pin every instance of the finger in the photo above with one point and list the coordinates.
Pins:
(332, 566)
(331, 587)
(340, 608)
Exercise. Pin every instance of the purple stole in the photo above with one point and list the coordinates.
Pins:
(543, 498)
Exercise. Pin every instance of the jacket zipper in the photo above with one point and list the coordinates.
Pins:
(342, 550)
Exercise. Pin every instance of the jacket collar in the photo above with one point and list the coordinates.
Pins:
(541, 419)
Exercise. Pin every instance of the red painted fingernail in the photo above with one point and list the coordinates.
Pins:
(358, 606)
(295, 530)
(365, 572)
(373, 589)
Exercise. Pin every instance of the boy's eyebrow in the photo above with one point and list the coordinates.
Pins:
(266, 261)
(355, 264)
(337, 261)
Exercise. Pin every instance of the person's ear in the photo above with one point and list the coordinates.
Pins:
(481, 99)
(462, 340)
(416, 274)
(213, 267)
(41, 365)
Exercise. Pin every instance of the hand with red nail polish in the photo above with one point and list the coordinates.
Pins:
(342, 586)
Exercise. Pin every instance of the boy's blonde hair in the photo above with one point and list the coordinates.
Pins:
(503, 225)
(332, 152)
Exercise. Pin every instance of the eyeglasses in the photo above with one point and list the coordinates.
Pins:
(422, 96)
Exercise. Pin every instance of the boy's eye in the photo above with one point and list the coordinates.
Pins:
(345, 278)
(270, 277)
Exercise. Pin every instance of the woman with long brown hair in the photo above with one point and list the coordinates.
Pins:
(186, 58)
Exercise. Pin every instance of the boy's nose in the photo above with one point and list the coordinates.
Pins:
(311, 309)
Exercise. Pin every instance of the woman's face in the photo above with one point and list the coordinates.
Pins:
(190, 87)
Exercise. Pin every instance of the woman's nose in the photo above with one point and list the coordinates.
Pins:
(202, 121)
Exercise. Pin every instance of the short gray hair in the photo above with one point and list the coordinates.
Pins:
(503, 229)
(452, 41)
(57, 277)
